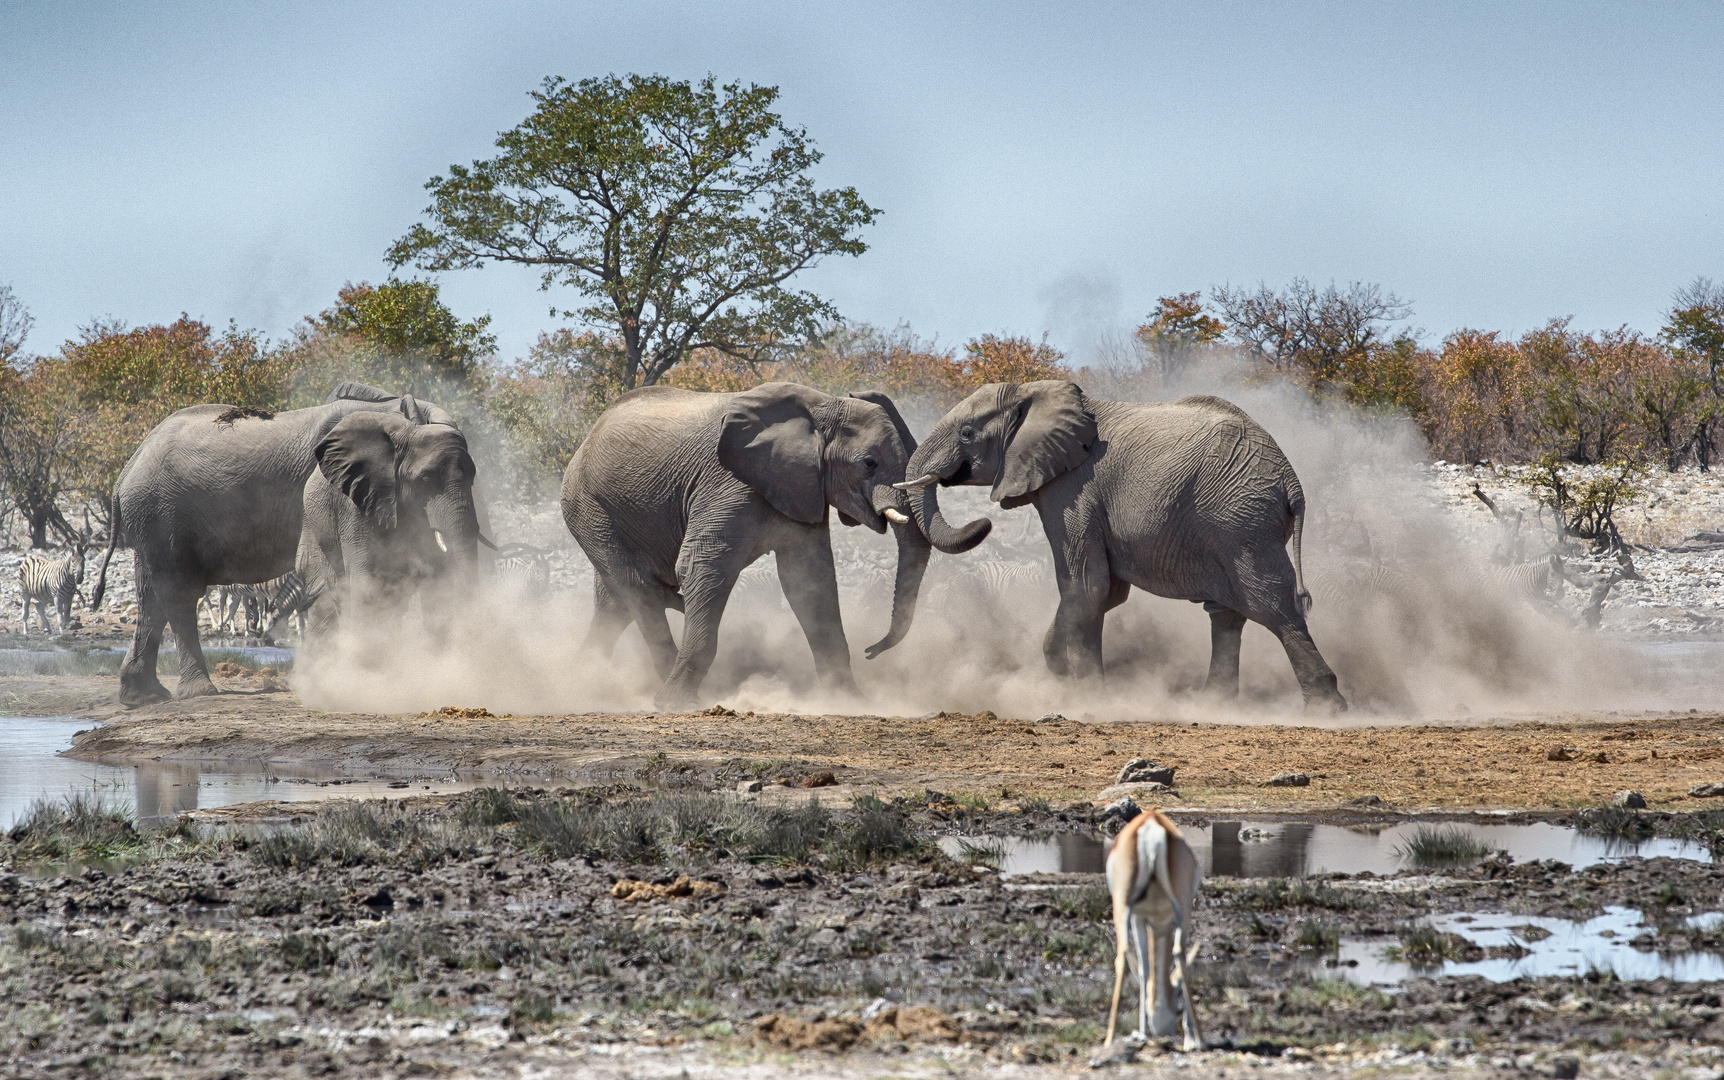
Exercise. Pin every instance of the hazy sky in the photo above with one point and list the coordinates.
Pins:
(1041, 168)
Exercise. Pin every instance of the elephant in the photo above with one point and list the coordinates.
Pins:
(214, 496)
(674, 492)
(1187, 499)
(389, 512)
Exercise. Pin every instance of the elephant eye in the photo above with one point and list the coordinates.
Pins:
(870, 464)
(966, 433)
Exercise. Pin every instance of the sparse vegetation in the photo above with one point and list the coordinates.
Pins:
(1276, 894)
(986, 851)
(1442, 845)
(80, 825)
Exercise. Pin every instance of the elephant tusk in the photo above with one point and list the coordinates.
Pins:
(897, 517)
(483, 539)
(441, 546)
(911, 485)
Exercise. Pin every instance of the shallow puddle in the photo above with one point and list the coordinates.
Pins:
(158, 790)
(1573, 947)
(1266, 849)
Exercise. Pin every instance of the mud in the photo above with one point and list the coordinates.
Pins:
(474, 952)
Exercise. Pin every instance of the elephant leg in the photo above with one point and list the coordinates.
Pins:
(138, 682)
(649, 614)
(1226, 627)
(1316, 681)
(182, 614)
(1266, 577)
(610, 618)
(704, 596)
(810, 582)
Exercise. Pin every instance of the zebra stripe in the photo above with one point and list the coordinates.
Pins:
(41, 578)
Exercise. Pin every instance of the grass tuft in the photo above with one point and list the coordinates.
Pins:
(367, 834)
(1276, 894)
(1444, 845)
(1090, 902)
(1315, 935)
(80, 825)
(986, 851)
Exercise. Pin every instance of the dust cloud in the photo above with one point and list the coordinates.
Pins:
(1406, 612)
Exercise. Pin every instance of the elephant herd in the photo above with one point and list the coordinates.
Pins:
(674, 493)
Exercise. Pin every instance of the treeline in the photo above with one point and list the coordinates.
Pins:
(70, 419)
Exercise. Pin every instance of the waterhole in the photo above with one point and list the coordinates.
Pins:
(1620, 942)
(1281, 849)
(158, 790)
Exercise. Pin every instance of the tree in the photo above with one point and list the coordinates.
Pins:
(399, 335)
(1175, 332)
(1321, 336)
(549, 401)
(675, 211)
(15, 323)
(991, 359)
(1694, 333)
(41, 426)
(128, 381)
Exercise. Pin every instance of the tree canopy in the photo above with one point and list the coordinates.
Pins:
(676, 211)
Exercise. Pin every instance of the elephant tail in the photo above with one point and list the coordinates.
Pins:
(113, 539)
(1296, 507)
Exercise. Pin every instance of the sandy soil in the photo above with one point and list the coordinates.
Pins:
(1496, 762)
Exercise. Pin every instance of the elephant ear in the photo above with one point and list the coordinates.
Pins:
(1052, 434)
(768, 439)
(411, 410)
(875, 397)
(359, 456)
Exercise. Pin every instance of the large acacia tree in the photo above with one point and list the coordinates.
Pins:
(677, 211)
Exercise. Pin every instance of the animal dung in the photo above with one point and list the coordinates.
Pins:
(819, 779)
(635, 892)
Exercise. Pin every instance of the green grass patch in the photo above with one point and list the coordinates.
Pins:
(77, 826)
(1443, 845)
(1277, 894)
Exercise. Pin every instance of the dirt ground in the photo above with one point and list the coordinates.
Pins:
(1491, 763)
(444, 944)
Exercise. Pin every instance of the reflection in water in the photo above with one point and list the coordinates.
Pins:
(1296, 849)
(158, 790)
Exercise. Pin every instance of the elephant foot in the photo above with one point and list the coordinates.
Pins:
(137, 695)
(675, 699)
(1329, 705)
(192, 686)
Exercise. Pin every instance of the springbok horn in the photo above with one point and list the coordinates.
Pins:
(912, 485)
(897, 517)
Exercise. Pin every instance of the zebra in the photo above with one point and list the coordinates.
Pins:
(41, 578)
(276, 600)
(524, 561)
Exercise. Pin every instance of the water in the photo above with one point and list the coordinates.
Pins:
(1265, 849)
(1574, 947)
(105, 660)
(158, 790)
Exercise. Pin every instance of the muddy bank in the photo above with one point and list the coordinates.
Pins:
(572, 933)
(1498, 762)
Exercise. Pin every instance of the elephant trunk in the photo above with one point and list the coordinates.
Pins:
(913, 553)
(925, 505)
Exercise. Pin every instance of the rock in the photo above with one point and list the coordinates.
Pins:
(1559, 753)
(1123, 1052)
(1565, 1067)
(1290, 779)
(1364, 800)
(819, 779)
(986, 716)
(875, 1008)
(1051, 718)
(1115, 815)
(1705, 791)
(1629, 800)
(1115, 792)
(1145, 771)
(749, 787)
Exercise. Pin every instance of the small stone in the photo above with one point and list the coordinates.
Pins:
(986, 716)
(1145, 771)
(1565, 1067)
(749, 787)
(1705, 791)
(1559, 753)
(1290, 779)
(1365, 800)
(1629, 800)
(1051, 718)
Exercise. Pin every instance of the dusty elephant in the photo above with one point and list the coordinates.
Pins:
(675, 492)
(214, 496)
(1187, 499)
(389, 513)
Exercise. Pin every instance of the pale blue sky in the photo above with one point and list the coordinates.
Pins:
(1041, 168)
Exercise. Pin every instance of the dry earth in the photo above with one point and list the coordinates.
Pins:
(1496, 762)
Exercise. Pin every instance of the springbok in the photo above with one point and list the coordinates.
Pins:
(1152, 875)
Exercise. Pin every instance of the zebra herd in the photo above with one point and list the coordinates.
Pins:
(266, 605)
